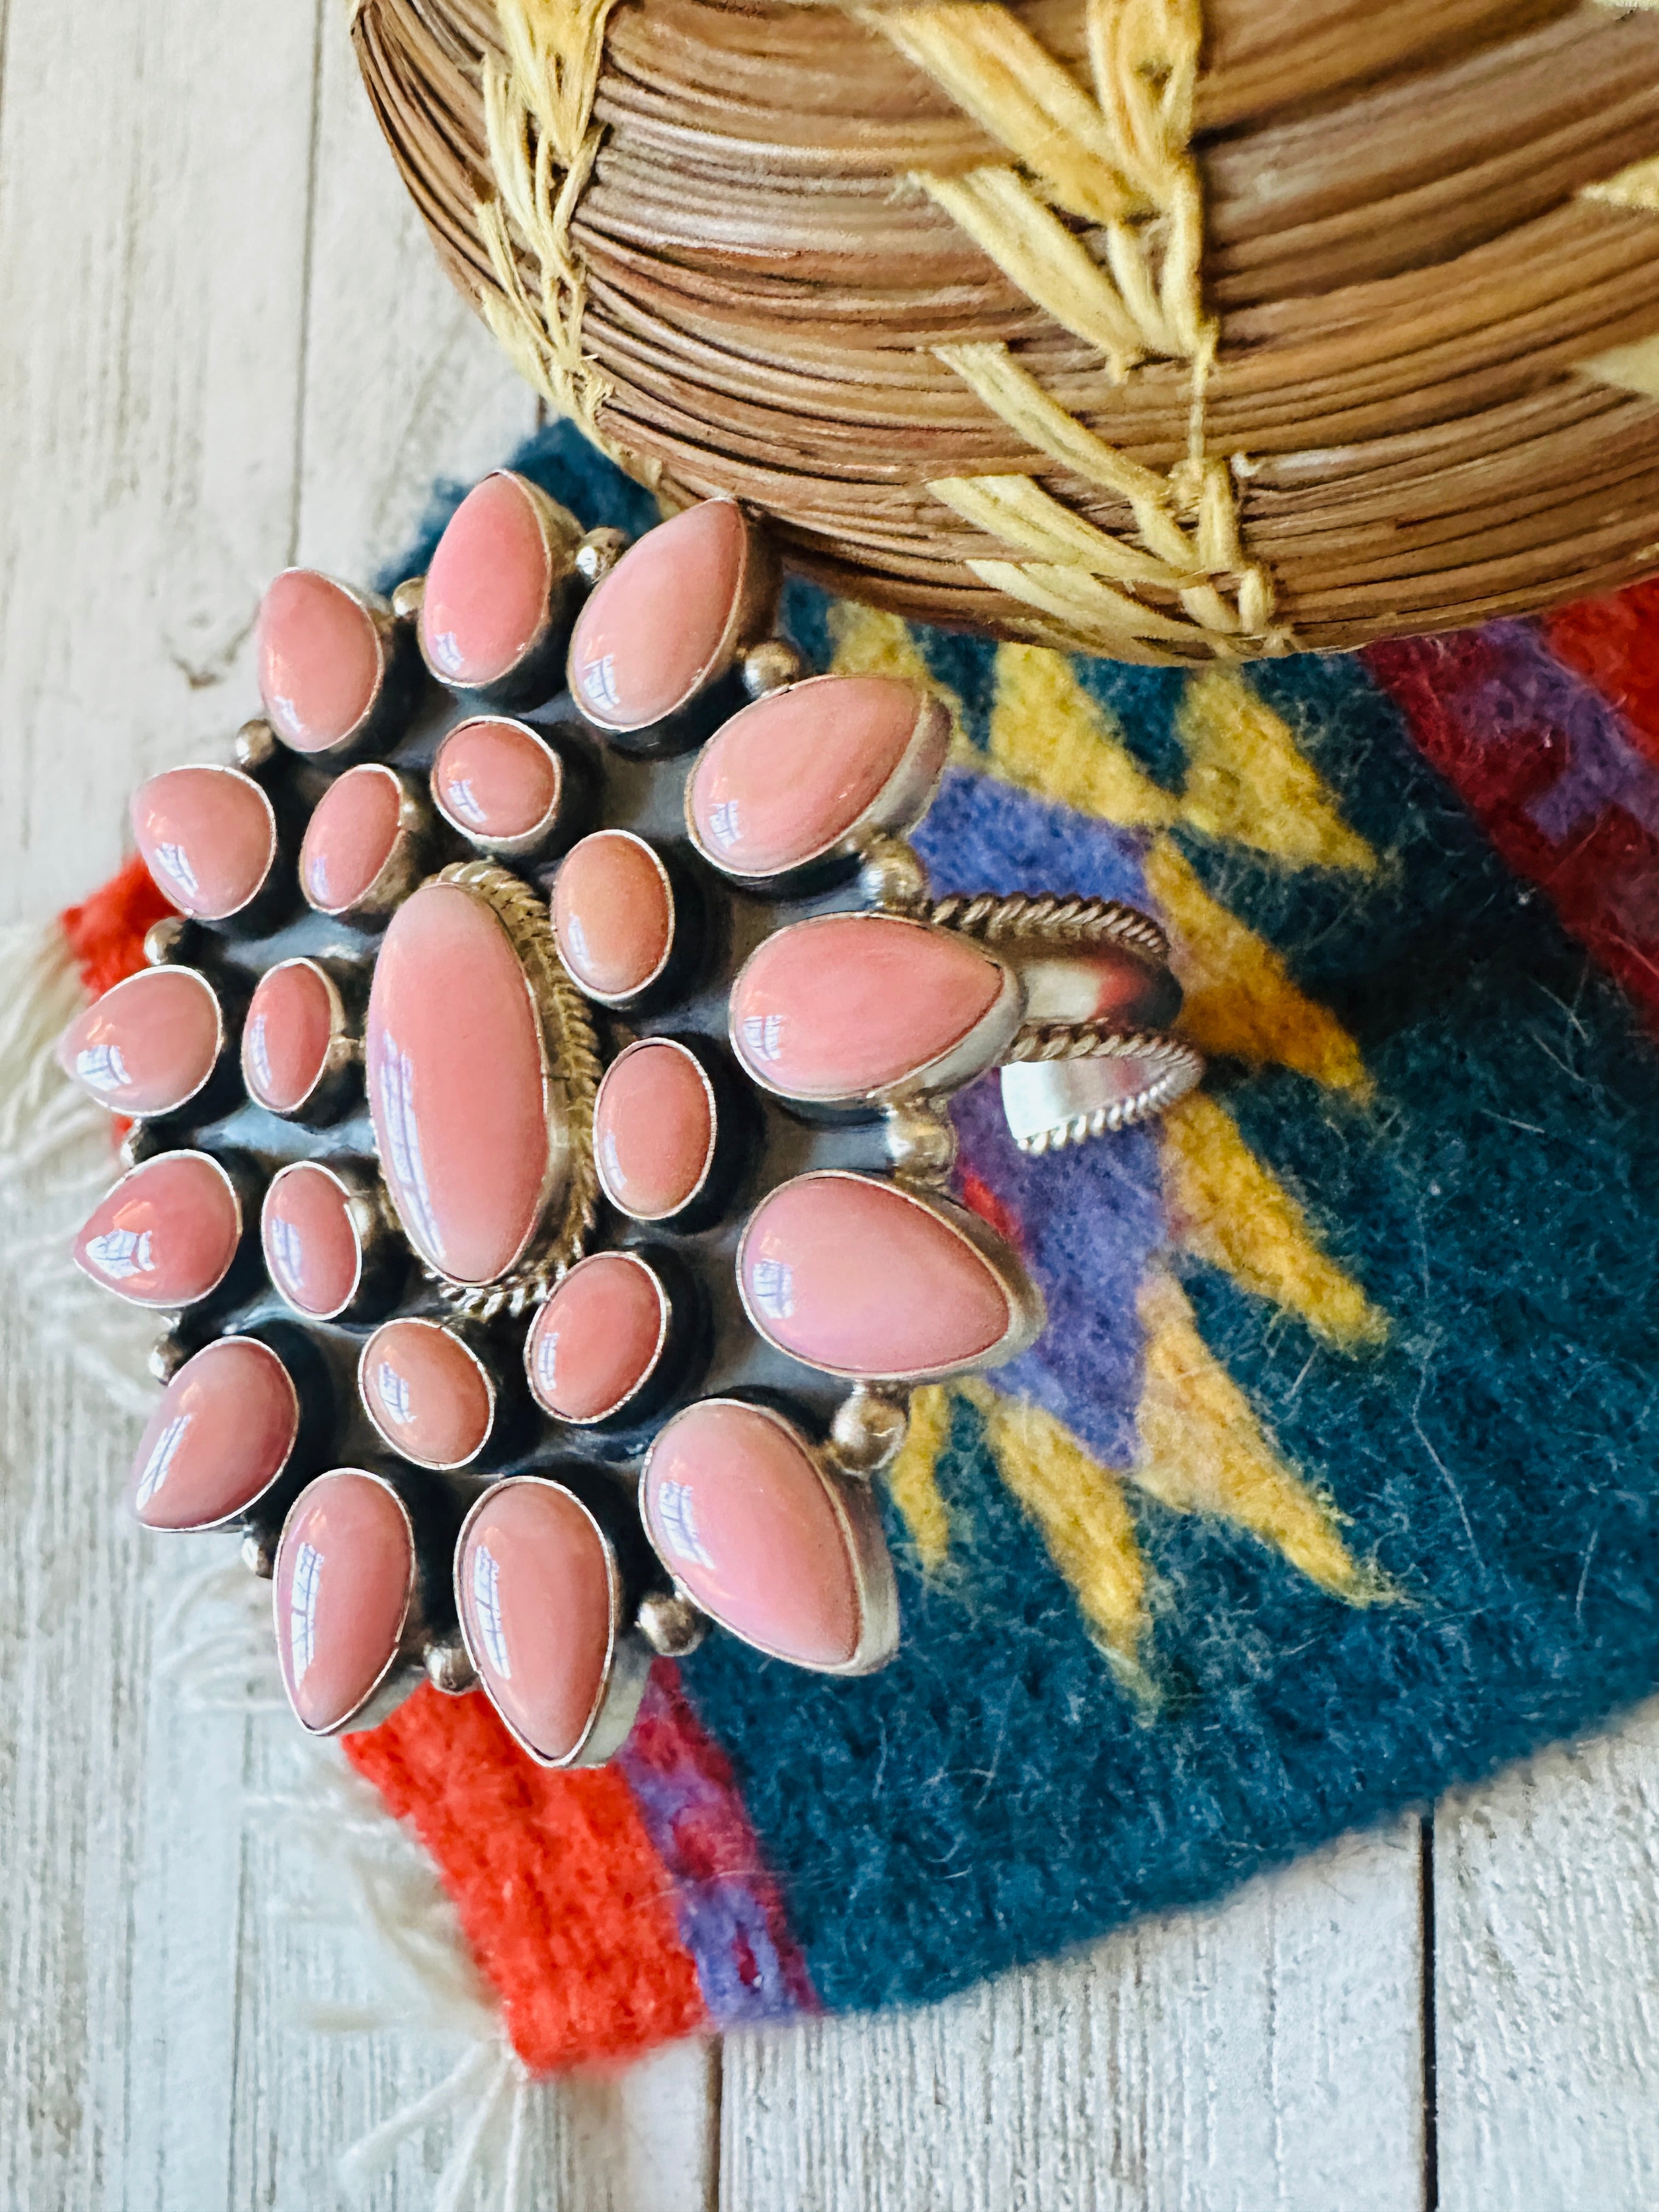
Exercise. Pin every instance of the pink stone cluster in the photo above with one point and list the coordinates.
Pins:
(851, 1273)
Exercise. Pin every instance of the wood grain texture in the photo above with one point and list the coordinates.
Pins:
(1547, 1983)
(1266, 2054)
(224, 345)
(401, 388)
(154, 177)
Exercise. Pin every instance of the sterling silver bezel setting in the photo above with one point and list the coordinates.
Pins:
(711, 1345)
(865, 1547)
(384, 1694)
(627, 1661)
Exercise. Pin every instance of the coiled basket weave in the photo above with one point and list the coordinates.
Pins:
(1142, 327)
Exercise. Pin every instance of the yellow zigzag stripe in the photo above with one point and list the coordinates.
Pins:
(912, 1480)
(1047, 734)
(1226, 1206)
(1203, 1451)
(1202, 1448)
(1241, 1001)
(1084, 1518)
(1250, 783)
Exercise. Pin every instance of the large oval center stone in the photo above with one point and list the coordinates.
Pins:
(455, 1085)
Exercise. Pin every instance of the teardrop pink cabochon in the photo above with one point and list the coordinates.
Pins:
(535, 1592)
(487, 584)
(788, 777)
(220, 1435)
(345, 1573)
(165, 1235)
(653, 629)
(208, 836)
(739, 1511)
(856, 1277)
(849, 1004)
(146, 1046)
(319, 660)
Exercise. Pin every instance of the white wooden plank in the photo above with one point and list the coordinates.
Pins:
(302, 2094)
(1547, 1983)
(153, 176)
(154, 161)
(403, 384)
(1266, 2054)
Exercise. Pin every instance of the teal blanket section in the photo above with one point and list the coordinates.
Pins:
(996, 1795)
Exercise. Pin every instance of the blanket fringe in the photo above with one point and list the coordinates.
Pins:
(367, 1877)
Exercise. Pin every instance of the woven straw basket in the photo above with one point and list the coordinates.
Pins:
(1147, 328)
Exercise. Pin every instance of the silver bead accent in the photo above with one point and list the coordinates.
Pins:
(867, 1431)
(893, 875)
(922, 1141)
(598, 553)
(671, 1624)
(406, 596)
(255, 746)
(259, 1553)
(448, 1668)
(166, 1356)
(769, 665)
(139, 1144)
(164, 940)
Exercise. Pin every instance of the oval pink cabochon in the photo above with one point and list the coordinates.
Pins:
(319, 660)
(454, 1073)
(426, 1392)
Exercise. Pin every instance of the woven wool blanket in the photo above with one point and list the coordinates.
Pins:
(1333, 1479)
